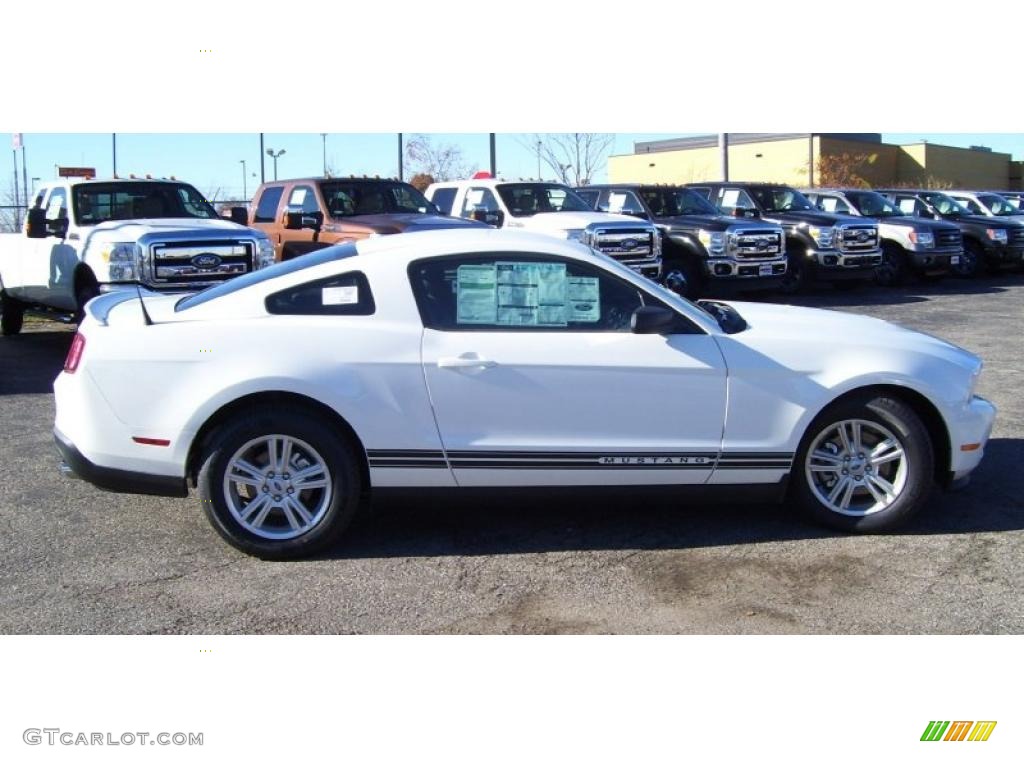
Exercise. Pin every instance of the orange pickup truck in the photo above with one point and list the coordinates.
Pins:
(303, 215)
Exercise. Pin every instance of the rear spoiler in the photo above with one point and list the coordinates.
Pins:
(100, 307)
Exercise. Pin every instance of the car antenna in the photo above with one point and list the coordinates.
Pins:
(145, 314)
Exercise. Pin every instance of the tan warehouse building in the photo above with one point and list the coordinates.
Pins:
(813, 159)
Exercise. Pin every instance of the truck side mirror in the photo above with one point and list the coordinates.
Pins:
(494, 218)
(300, 220)
(746, 213)
(57, 227)
(35, 224)
(239, 215)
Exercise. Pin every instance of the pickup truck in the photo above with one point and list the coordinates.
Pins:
(304, 215)
(829, 247)
(702, 249)
(86, 237)
(909, 245)
(553, 209)
(987, 204)
(987, 244)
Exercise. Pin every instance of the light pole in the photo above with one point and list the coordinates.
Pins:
(539, 145)
(34, 180)
(275, 155)
(324, 137)
(401, 167)
(245, 193)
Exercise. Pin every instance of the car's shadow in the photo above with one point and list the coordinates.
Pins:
(594, 521)
(30, 361)
(825, 296)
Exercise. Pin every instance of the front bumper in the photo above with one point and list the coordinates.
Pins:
(968, 428)
(743, 275)
(935, 261)
(832, 265)
(75, 464)
(1004, 255)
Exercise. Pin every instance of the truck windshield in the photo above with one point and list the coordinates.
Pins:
(677, 202)
(999, 206)
(120, 201)
(530, 198)
(780, 199)
(373, 197)
(944, 204)
(873, 204)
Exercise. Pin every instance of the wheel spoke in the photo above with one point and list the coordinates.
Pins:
(292, 521)
(286, 453)
(308, 485)
(884, 485)
(881, 498)
(823, 461)
(244, 466)
(300, 508)
(890, 453)
(856, 444)
(272, 453)
(844, 438)
(253, 506)
(838, 489)
(848, 495)
(262, 516)
(310, 471)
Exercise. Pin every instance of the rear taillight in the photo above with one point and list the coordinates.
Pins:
(75, 353)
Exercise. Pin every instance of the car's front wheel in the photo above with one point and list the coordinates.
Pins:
(279, 485)
(12, 314)
(866, 464)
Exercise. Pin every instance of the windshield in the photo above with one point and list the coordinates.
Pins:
(1015, 201)
(677, 202)
(342, 251)
(999, 206)
(944, 204)
(372, 197)
(873, 204)
(528, 199)
(779, 199)
(122, 201)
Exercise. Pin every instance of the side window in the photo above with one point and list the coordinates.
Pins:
(590, 196)
(266, 209)
(444, 198)
(730, 198)
(622, 201)
(347, 294)
(704, 192)
(832, 204)
(40, 196)
(518, 292)
(479, 199)
(970, 205)
(57, 205)
(303, 200)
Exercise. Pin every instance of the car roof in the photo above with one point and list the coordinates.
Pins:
(410, 246)
(493, 182)
(320, 179)
(111, 180)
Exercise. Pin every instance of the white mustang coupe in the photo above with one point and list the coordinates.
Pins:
(500, 359)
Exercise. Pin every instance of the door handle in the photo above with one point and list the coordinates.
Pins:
(464, 361)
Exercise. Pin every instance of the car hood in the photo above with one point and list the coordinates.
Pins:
(816, 218)
(132, 229)
(397, 223)
(989, 222)
(710, 222)
(555, 222)
(916, 223)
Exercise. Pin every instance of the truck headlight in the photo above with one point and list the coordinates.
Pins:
(713, 241)
(924, 239)
(996, 235)
(124, 260)
(574, 234)
(265, 257)
(822, 236)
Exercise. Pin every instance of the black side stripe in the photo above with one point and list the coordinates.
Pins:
(436, 459)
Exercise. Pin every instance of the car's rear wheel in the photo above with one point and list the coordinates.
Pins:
(796, 277)
(866, 464)
(892, 272)
(971, 263)
(12, 314)
(279, 485)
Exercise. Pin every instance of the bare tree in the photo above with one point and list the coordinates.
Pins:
(421, 181)
(12, 211)
(444, 162)
(574, 158)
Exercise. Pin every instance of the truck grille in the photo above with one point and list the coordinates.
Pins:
(858, 239)
(1016, 236)
(756, 243)
(625, 244)
(948, 238)
(207, 261)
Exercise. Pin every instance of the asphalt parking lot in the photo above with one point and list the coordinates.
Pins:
(77, 560)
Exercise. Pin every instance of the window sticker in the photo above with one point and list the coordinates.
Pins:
(298, 196)
(616, 202)
(53, 207)
(584, 300)
(476, 295)
(730, 197)
(475, 196)
(334, 295)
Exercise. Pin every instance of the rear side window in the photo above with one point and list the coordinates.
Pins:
(444, 198)
(590, 195)
(266, 209)
(347, 294)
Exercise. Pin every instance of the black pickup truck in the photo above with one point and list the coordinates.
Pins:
(909, 244)
(829, 247)
(987, 245)
(711, 252)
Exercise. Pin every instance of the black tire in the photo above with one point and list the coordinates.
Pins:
(972, 262)
(339, 505)
(694, 279)
(797, 273)
(86, 292)
(911, 488)
(12, 314)
(892, 272)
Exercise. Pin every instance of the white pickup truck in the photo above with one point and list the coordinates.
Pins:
(553, 209)
(86, 237)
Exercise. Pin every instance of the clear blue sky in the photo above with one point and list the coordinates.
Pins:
(211, 160)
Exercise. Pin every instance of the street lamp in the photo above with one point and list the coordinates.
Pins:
(245, 193)
(324, 137)
(275, 155)
(34, 180)
(539, 145)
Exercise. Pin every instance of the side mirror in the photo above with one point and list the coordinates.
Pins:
(239, 215)
(35, 224)
(652, 320)
(300, 220)
(57, 227)
(494, 218)
(635, 214)
(746, 213)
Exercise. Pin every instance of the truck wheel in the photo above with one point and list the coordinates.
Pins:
(279, 485)
(12, 314)
(85, 292)
(691, 283)
(892, 272)
(796, 277)
(972, 261)
(865, 465)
